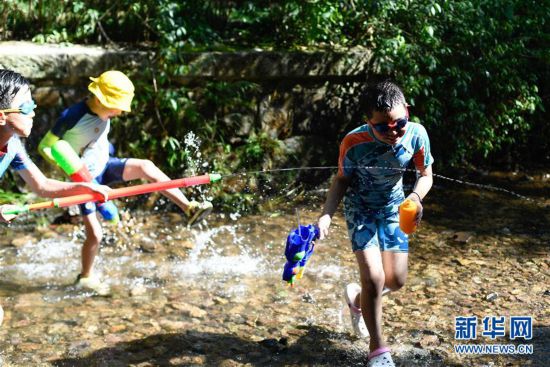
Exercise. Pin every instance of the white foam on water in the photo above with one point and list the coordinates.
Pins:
(201, 262)
(50, 261)
(215, 264)
(48, 250)
(37, 273)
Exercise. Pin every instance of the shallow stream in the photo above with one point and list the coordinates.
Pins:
(213, 295)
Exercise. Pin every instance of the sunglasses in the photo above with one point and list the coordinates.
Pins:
(398, 124)
(26, 108)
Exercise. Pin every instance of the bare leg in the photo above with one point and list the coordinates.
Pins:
(372, 284)
(380, 274)
(145, 169)
(395, 269)
(94, 233)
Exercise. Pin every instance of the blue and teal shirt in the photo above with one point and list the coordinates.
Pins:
(87, 135)
(376, 168)
(14, 155)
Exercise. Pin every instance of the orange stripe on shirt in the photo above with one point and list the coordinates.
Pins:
(349, 142)
(418, 159)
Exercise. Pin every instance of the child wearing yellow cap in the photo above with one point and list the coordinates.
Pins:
(85, 126)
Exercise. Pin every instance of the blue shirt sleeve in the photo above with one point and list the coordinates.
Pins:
(20, 160)
(69, 117)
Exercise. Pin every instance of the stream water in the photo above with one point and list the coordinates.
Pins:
(213, 295)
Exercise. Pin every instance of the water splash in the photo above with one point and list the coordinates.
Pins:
(192, 152)
(455, 180)
(213, 263)
(194, 162)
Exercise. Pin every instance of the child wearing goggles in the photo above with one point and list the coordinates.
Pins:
(369, 181)
(16, 117)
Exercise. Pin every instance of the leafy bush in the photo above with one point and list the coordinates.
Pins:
(475, 71)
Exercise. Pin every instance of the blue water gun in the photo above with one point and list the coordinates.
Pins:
(299, 248)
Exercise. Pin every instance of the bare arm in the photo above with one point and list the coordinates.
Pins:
(335, 194)
(422, 185)
(50, 188)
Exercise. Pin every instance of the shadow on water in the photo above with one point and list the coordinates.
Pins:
(316, 347)
(8, 288)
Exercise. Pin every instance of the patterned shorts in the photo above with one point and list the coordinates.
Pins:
(369, 228)
(111, 174)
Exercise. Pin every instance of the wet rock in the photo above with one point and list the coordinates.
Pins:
(172, 325)
(188, 310)
(410, 353)
(145, 364)
(78, 349)
(505, 231)
(274, 345)
(187, 361)
(429, 341)
(138, 290)
(29, 300)
(29, 347)
(112, 339)
(117, 328)
(149, 246)
(186, 244)
(308, 298)
(229, 363)
(178, 252)
(58, 328)
(462, 261)
(22, 241)
(462, 237)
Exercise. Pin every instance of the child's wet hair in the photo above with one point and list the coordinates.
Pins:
(382, 97)
(11, 83)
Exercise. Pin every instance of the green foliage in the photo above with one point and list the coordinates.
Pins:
(475, 71)
(467, 67)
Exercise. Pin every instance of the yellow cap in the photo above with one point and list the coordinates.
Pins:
(113, 89)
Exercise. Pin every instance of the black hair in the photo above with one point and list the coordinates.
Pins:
(11, 83)
(382, 97)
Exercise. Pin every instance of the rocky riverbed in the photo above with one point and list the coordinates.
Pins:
(213, 296)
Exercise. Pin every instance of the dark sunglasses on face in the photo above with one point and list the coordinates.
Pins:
(25, 108)
(398, 124)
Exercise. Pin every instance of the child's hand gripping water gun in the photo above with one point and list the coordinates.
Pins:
(72, 165)
(299, 248)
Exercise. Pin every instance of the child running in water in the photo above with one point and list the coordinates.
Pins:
(85, 126)
(16, 119)
(370, 181)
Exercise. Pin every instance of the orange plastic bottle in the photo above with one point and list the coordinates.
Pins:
(407, 215)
